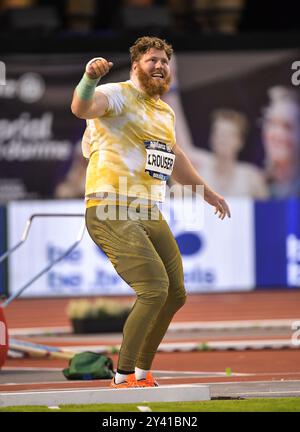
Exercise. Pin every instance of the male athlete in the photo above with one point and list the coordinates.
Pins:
(130, 141)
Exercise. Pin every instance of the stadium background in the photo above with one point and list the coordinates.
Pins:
(229, 55)
(222, 61)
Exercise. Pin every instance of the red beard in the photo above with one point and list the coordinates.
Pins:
(152, 86)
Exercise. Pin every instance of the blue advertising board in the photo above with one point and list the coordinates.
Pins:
(277, 240)
(216, 258)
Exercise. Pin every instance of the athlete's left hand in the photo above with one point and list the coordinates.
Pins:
(217, 201)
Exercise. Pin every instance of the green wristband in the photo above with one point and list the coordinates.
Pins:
(86, 87)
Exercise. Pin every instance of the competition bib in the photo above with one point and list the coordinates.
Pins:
(160, 160)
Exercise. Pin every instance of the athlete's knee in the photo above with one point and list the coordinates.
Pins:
(158, 293)
(181, 300)
(178, 299)
(152, 285)
(163, 293)
(155, 293)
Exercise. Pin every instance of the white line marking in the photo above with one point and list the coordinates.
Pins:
(193, 346)
(143, 408)
(192, 372)
(175, 326)
(270, 392)
(27, 368)
(104, 381)
(254, 382)
(37, 383)
(276, 373)
(108, 389)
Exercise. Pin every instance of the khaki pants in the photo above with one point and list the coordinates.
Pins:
(146, 256)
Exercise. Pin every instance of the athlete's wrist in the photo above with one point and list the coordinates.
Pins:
(86, 87)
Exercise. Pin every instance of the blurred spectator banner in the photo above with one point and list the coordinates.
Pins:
(2, 249)
(237, 117)
(38, 133)
(277, 243)
(40, 138)
(219, 257)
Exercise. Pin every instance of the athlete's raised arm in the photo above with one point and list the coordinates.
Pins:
(87, 103)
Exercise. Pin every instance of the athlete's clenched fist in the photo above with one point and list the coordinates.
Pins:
(98, 67)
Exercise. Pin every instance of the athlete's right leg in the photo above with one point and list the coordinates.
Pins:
(167, 248)
(128, 247)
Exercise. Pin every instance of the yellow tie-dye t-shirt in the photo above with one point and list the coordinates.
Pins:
(116, 142)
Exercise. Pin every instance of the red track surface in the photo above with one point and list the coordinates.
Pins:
(201, 307)
(260, 365)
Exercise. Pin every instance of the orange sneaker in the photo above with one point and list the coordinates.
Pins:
(149, 381)
(130, 382)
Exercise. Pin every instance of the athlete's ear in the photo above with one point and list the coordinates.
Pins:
(134, 65)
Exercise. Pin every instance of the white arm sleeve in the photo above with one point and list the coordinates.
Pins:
(114, 95)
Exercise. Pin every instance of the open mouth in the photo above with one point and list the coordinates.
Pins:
(157, 75)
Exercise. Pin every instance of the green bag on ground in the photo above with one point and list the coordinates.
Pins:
(88, 366)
